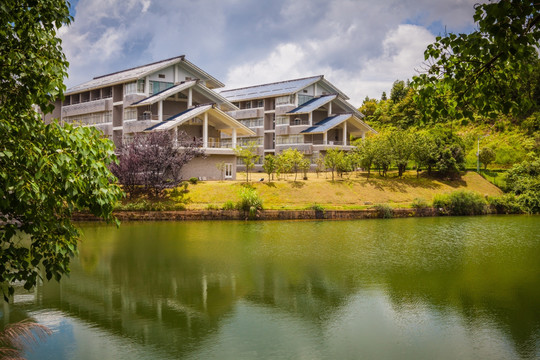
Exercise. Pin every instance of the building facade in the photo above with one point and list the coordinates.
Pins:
(308, 114)
(170, 95)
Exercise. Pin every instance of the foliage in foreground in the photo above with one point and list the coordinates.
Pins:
(16, 337)
(46, 171)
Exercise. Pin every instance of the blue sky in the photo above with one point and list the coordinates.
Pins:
(361, 46)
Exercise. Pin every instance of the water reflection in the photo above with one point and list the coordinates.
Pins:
(407, 288)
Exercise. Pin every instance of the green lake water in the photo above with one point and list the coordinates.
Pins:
(418, 288)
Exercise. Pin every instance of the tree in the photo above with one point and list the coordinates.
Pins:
(383, 96)
(270, 165)
(294, 159)
(46, 171)
(154, 161)
(332, 159)
(249, 156)
(366, 151)
(399, 91)
(319, 164)
(424, 151)
(493, 70)
(486, 156)
(400, 143)
(383, 154)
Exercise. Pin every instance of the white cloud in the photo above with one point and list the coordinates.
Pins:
(360, 45)
(403, 49)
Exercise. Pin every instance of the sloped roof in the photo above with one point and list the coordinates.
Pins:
(162, 95)
(327, 124)
(178, 119)
(139, 72)
(313, 104)
(268, 90)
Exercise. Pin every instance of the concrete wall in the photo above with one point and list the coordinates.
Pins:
(206, 167)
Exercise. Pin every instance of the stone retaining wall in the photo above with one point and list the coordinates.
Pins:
(262, 215)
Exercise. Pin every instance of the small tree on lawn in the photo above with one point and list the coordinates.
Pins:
(270, 165)
(294, 158)
(400, 142)
(249, 156)
(332, 159)
(365, 150)
(305, 164)
(154, 161)
(319, 164)
(486, 156)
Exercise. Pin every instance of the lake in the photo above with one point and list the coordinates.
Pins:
(417, 288)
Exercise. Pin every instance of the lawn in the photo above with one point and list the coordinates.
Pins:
(353, 192)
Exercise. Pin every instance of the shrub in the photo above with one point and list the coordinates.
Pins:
(212, 207)
(384, 211)
(250, 202)
(505, 204)
(229, 205)
(316, 207)
(419, 203)
(193, 180)
(461, 203)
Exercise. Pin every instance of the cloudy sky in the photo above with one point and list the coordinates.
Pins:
(361, 46)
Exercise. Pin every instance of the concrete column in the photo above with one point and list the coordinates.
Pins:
(363, 136)
(175, 136)
(234, 138)
(325, 138)
(190, 98)
(160, 110)
(345, 133)
(315, 89)
(329, 108)
(310, 116)
(147, 86)
(176, 73)
(205, 130)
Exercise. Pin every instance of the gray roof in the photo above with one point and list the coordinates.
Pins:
(139, 72)
(327, 124)
(269, 90)
(313, 104)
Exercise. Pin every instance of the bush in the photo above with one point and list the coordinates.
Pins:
(193, 180)
(384, 211)
(505, 204)
(419, 203)
(250, 202)
(316, 207)
(461, 203)
(229, 205)
(212, 207)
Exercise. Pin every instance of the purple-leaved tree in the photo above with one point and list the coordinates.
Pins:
(152, 162)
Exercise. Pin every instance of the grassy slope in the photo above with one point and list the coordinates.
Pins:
(350, 193)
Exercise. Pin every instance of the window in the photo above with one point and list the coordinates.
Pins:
(283, 100)
(134, 87)
(158, 86)
(289, 139)
(161, 76)
(282, 120)
(130, 114)
(260, 103)
(302, 99)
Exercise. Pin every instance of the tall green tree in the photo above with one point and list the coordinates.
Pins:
(46, 171)
(493, 70)
(332, 159)
(249, 156)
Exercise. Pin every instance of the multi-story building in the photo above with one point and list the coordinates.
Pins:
(169, 95)
(309, 114)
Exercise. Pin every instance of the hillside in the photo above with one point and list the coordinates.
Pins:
(349, 193)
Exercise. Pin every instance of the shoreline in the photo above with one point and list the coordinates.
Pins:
(261, 215)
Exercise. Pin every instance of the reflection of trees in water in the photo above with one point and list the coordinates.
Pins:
(174, 294)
